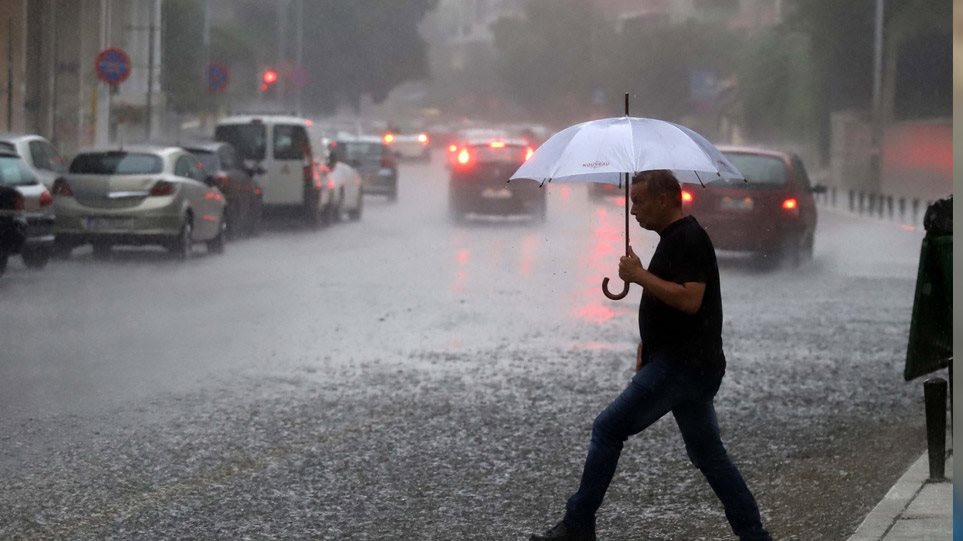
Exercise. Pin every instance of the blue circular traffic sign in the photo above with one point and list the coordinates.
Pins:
(113, 66)
(218, 77)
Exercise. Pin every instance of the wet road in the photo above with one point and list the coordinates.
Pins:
(405, 378)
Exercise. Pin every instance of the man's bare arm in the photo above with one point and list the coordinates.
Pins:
(685, 297)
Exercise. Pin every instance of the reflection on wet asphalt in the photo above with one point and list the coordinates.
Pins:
(404, 377)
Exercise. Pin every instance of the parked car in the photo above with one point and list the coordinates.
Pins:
(373, 160)
(13, 229)
(345, 186)
(278, 149)
(479, 183)
(773, 215)
(39, 155)
(32, 207)
(136, 196)
(409, 145)
(224, 169)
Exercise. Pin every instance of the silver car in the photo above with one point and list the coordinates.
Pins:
(39, 155)
(138, 195)
(33, 208)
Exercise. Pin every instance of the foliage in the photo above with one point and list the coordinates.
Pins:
(362, 47)
(182, 65)
(548, 58)
(776, 87)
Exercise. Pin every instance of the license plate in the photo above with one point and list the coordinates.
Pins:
(503, 193)
(97, 224)
(729, 203)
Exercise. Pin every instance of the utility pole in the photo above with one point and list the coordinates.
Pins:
(207, 63)
(149, 113)
(282, 14)
(876, 156)
(299, 54)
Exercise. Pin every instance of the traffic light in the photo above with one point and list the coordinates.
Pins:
(269, 77)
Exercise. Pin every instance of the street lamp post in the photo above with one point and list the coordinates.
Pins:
(876, 156)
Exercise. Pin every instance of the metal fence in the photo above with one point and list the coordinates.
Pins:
(885, 207)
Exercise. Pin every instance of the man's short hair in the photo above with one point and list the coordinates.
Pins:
(660, 181)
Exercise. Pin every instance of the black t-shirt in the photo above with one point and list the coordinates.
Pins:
(684, 254)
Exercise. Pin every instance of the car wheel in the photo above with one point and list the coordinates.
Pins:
(337, 208)
(101, 251)
(183, 244)
(254, 227)
(314, 215)
(806, 250)
(35, 258)
(355, 213)
(230, 222)
(216, 245)
(62, 249)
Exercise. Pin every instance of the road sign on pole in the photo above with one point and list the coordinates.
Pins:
(218, 77)
(113, 66)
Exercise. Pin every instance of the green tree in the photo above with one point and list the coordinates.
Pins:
(776, 90)
(362, 47)
(182, 75)
(548, 59)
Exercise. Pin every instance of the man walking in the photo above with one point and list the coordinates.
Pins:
(679, 365)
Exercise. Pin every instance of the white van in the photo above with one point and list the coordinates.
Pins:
(277, 148)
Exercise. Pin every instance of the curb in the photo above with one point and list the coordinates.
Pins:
(895, 507)
(882, 518)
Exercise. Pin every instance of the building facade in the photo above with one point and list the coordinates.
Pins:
(48, 80)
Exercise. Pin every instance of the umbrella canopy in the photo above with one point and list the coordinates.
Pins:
(603, 150)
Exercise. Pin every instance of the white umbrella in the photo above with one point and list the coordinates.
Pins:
(604, 150)
(612, 150)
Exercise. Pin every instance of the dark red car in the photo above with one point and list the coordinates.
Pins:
(773, 215)
(244, 197)
(480, 169)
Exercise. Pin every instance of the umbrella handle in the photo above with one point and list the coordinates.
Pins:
(614, 297)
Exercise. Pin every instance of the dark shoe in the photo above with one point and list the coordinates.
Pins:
(561, 532)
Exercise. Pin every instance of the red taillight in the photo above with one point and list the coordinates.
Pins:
(528, 153)
(46, 199)
(423, 138)
(497, 144)
(61, 188)
(790, 204)
(464, 157)
(452, 148)
(162, 188)
(389, 138)
(686, 197)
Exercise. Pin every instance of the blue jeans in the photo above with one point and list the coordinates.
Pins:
(660, 387)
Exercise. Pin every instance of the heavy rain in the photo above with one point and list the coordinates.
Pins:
(274, 282)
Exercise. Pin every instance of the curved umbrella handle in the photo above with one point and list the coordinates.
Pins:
(614, 297)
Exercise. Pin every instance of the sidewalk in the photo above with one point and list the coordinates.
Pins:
(913, 510)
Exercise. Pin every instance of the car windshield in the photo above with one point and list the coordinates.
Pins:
(208, 160)
(250, 140)
(360, 151)
(760, 171)
(116, 163)
(13, 172)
